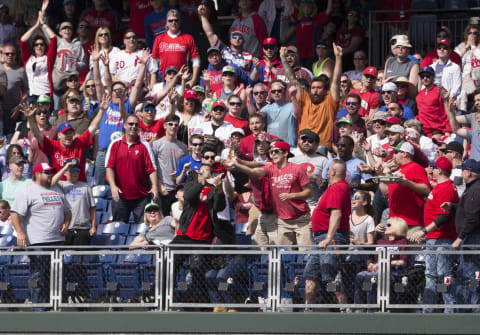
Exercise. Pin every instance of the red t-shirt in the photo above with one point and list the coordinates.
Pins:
(405, 202)
(132, 165)
(431, 111)
(242, 207)
(336, 196)
(370, 100)
(289, 179)
(443, 192)
(201, 227)
(306, 31)
(58, 153)
(238, 123)
(418, 156)
(432, 56)
(246, 144)
(138, 10)
(174, 51)
(216, 82)
(156, 129)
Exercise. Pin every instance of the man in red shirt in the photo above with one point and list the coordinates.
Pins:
(102, 15)
(174, 48)
(290, 187)
(330, 225)
(370, 98)
(431, 108)
(439, 230)
(443, 33)
(131, 173)
(150, 129)
(67, 146)
(406, 196)
(256, 125)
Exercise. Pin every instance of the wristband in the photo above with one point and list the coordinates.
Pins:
(424, 229)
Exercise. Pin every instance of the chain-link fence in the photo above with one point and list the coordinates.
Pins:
(228, 279)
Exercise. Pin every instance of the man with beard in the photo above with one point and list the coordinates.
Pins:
(319, 106)
(218, 127)
(306, 155)
(266, 70)
(354, 177)
(292, 69)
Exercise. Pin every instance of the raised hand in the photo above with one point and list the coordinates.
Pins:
(337, 50)
(202, 10)
(249, 90)
(206, 76)
(94, 54)
(283, 53)
(105, 59)
(107, 98)
(172, 95)
(293, 90)
(144, 57)
(443, 93)
(255, 61)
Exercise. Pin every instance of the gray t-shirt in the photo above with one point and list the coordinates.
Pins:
(473, 137)
(313, 164)
(472, 121)
(396, 69)
(167, 155)
(163, 232)
(16, 84)
(42, 211)
(80, 198)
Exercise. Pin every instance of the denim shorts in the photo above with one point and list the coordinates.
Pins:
(325, 267)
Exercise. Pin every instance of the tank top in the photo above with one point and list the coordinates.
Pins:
(318, 69)
(396, 69)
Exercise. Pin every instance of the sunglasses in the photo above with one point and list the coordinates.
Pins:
(259, 92)
(402, 85)
(388, 92)
(130, 37)
(238, 104)
(344, 81)
(133, 124)
(276, 91)
(425, 75)
(73, 79)
(90, 86)
(401, 47)
(39, 44)
(197, 144)
(149, 110)
(359, 58)
(9, 53)
(41, 112)
(356, 197)
(268, 47)
(171, 73)
(275, 151)
(50, 172)
(306, 139)
(381, 122)
(219, 109)
(442, 47)
(351, 103)
(370, 77)
(103, 34)
(207, 157)
(472, 33)
(443, 36)
(173, 20)
(237, 37)
(73, 170)
(228, 74)
(291, 54)
(172, 124)
(152, 211)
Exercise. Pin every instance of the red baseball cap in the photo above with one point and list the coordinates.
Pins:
(190, 94)
(443, 164)
(444, 42)
(393, 120)
(219, 103)
(283, 146)
(269, 40)
(371, 70)
(237, 32)
(42, 167)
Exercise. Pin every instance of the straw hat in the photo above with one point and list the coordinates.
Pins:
(412, 90)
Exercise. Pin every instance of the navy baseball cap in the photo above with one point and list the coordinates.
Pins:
(64, 127)
(426, 69)
(470, 165)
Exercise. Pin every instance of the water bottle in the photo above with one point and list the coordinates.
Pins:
(188, 278)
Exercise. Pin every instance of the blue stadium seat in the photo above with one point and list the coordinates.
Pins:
(137, 228)
(8, 241)
(117, 227)
(258, 277)
(123, 281)
(15, 282)
(101, 204)
(101, 191)
(109, 239)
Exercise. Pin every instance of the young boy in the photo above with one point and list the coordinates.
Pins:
(79, 195)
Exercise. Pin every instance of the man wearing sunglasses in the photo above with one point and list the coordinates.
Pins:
(401, 65)
(74, 115)
(150, 129)
(431, 109)
(292, 68)
(290, 188)
(352, 103)
(369, 97)
(390, 95)
(168, 150)
(217, 126)
(175, 48)
(131, 173)
(190, 162)
(443, 33)
(266, 69)
(447, 73)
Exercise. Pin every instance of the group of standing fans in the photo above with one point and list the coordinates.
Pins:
(277, 133)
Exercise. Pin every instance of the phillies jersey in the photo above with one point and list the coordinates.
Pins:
(174, 50)
(124, 65)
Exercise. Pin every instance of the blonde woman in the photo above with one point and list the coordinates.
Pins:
(103, 43)
(160, 230)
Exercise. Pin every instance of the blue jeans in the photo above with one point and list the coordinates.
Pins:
(469, 265)
(361, 296)
(235, 271)
(325, 267)
(100, 170)
(438, 266)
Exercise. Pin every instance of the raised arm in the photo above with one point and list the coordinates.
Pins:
(207, 27)
(29, 33)
(337, 72)
(450, 110)
(97, 78)
(60, 173)
(297, 111)
(288, 69)
(50, 33)
(92, 128)
(30, 114)
(254, 173)
(137, 88)
(107, 76)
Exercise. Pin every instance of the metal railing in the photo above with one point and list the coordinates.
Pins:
(199, 278)
(419, 25)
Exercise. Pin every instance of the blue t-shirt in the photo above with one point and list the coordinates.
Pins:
(281, 122)
(111, 122)
(353, 175)
(407, 112)
(184, 160)
(473, 137)
(341, 113)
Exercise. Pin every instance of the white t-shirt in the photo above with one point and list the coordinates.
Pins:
(124, 65)
(361, 230)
